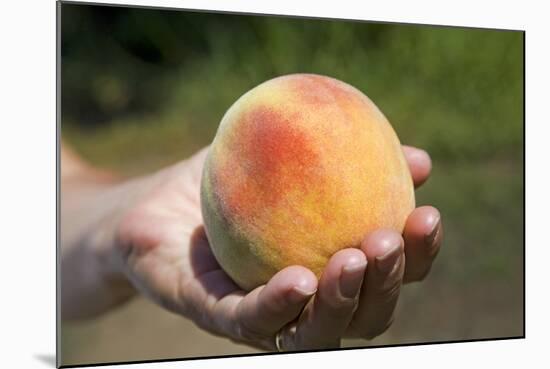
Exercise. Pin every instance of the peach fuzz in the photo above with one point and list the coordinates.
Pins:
(301, 166)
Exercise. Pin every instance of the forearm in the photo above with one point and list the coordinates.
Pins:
(91, 280)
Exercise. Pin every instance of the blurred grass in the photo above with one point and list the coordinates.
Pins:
(146, 88)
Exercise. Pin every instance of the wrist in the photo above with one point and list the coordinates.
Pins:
(92, 277)
(105, 241)
(114, 238)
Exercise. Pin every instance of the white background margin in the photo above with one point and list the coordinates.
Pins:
(27, 192)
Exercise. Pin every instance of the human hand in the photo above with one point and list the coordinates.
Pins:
(161, 247)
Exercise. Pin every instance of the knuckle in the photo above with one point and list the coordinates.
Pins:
(247, 332)
(387, 293)
(340, 307)
(241, 335)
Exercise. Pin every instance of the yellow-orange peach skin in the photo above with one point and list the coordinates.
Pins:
(301, 166)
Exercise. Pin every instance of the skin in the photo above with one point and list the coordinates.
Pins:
(302, 166)
(121, 238)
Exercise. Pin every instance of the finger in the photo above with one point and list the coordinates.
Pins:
(386, 264)
(420, 164)
(328, 315)
(423, 236)
(265, 310)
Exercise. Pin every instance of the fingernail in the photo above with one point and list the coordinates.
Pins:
(298, 294)
(430, 237)
(351, 279)
(386, 262)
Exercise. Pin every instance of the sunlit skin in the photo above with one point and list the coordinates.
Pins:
(146, 235)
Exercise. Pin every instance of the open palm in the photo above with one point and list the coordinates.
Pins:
(167, 257)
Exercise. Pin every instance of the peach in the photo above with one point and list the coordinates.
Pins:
(301, 166)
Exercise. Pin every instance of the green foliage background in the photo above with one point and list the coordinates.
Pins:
(144, 88)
